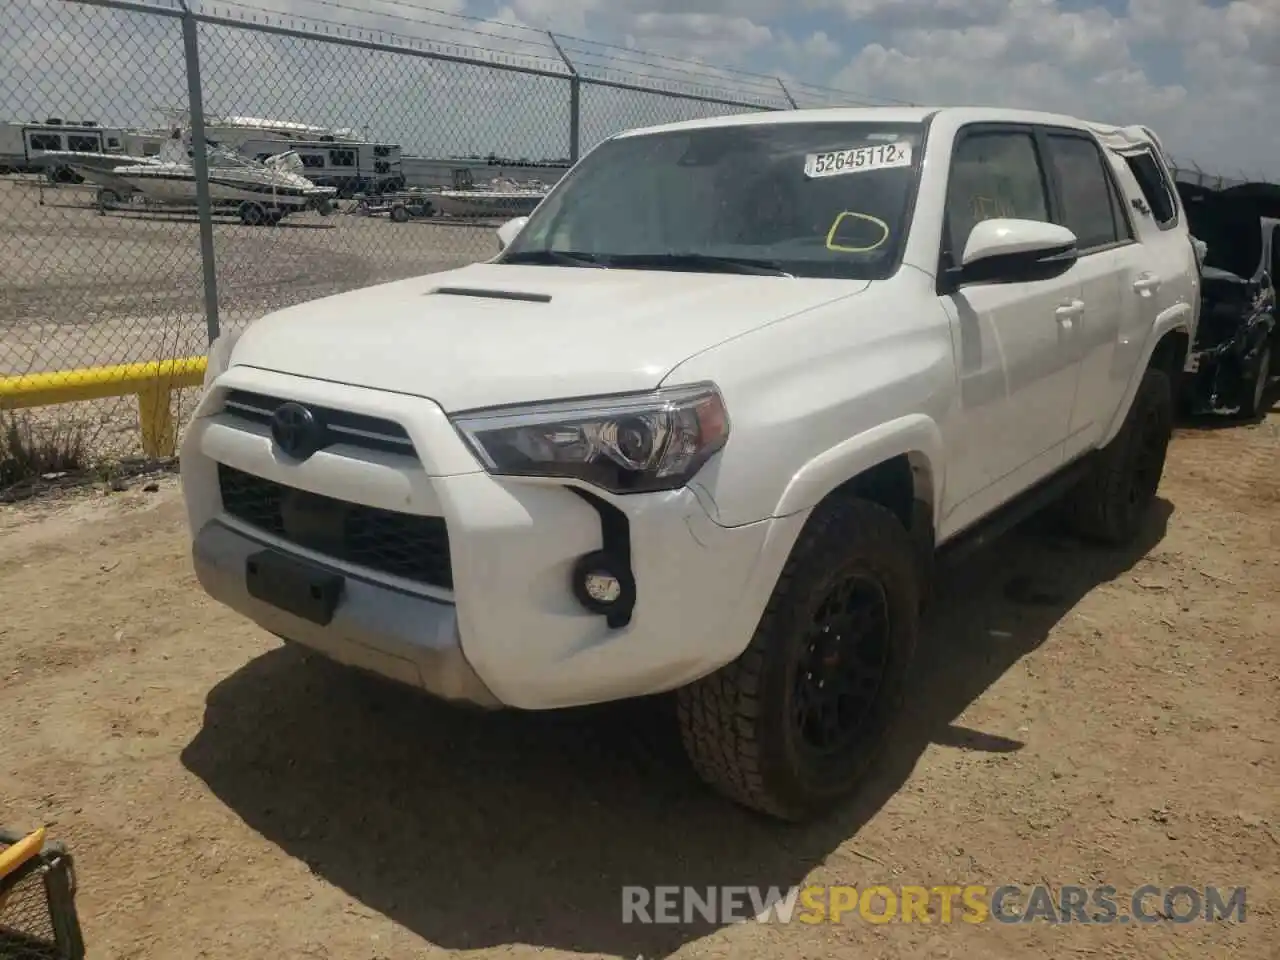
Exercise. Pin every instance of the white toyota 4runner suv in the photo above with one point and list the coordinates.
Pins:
(703, 422)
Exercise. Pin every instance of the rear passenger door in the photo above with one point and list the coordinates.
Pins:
(1015, 352)
(1119, 282)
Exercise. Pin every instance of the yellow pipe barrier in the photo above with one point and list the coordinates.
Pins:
(152, 382)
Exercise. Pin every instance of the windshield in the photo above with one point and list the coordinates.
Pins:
(817, 199)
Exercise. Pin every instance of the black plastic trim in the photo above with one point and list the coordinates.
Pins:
(492, 294)
(615, 537)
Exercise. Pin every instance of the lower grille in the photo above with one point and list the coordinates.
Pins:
(399, 544)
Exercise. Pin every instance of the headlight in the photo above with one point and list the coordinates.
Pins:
(220, 356)
(629, 443)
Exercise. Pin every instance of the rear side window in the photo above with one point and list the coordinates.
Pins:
(1156, 188)
(1088, 207)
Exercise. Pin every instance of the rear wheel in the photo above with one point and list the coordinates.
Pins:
(790, 727)
(252, 214)
(1257, 388)
(400, 213)
(1110, 504)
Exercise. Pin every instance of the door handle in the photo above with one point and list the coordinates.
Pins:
(1147, 283)
(1069, 311)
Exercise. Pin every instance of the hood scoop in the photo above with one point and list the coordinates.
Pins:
(490, 294)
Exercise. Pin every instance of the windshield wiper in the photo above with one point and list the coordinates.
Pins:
(745, 265)
(558, 257)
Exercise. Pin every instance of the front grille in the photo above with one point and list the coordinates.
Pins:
(340, 426)
(399, 544)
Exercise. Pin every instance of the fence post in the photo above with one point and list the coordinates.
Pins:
(787, 93)
(575, 101)
(200, 163)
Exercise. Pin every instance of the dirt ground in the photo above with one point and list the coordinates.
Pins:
(1078, 716)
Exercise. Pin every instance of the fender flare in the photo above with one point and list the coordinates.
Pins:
(1177, 317)
(912, 435)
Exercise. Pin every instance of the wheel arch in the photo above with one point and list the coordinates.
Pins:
(896, 464)
(1166, 349)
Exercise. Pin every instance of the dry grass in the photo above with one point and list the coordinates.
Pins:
(29, 453)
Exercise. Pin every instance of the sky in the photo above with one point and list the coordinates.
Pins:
(1205, 74)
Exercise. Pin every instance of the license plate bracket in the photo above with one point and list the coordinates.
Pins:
(293, 585)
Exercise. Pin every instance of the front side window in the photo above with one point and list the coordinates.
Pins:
(821, 199)
(46, 141)
(993, 174)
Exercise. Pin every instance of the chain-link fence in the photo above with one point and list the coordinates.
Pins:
(425, 129)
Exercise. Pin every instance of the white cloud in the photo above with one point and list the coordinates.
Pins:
(1216, 103)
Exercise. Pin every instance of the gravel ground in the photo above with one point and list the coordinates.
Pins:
(1078, 716)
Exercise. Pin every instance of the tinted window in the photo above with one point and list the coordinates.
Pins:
(1086, 195)
(82, 143)
(819, 199)
(1155, 187)
(993, 175)
(46, 141)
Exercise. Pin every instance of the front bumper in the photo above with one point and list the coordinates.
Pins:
(510, 631)
(400, 636)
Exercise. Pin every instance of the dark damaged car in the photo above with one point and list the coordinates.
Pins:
(1238, 338)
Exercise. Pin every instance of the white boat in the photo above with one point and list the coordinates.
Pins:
(234, 130)
(263, 191)
(96, 168)
(499, 198)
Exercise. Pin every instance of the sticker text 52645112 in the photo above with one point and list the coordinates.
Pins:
(857, 160)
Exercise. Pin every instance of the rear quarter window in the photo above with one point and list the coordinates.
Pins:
(1156, 188)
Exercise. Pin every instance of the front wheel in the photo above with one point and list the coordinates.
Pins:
(791, 726)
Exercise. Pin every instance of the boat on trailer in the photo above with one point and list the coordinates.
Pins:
(262, 192)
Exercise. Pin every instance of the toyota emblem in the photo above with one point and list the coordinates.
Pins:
(296, 431)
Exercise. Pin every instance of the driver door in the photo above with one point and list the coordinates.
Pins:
(1016, 356)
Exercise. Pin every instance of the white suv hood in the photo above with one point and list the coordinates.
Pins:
(601, 331)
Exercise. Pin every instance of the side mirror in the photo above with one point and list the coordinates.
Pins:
(1005, 250)
(507, 232)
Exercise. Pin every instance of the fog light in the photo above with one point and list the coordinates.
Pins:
(602, 587)
(603, 584)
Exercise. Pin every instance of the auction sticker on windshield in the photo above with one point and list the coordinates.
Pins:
(857, 160)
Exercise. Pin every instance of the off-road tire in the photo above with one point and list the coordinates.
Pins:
(736, 724)
(1111, 503)
(1255, 391)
